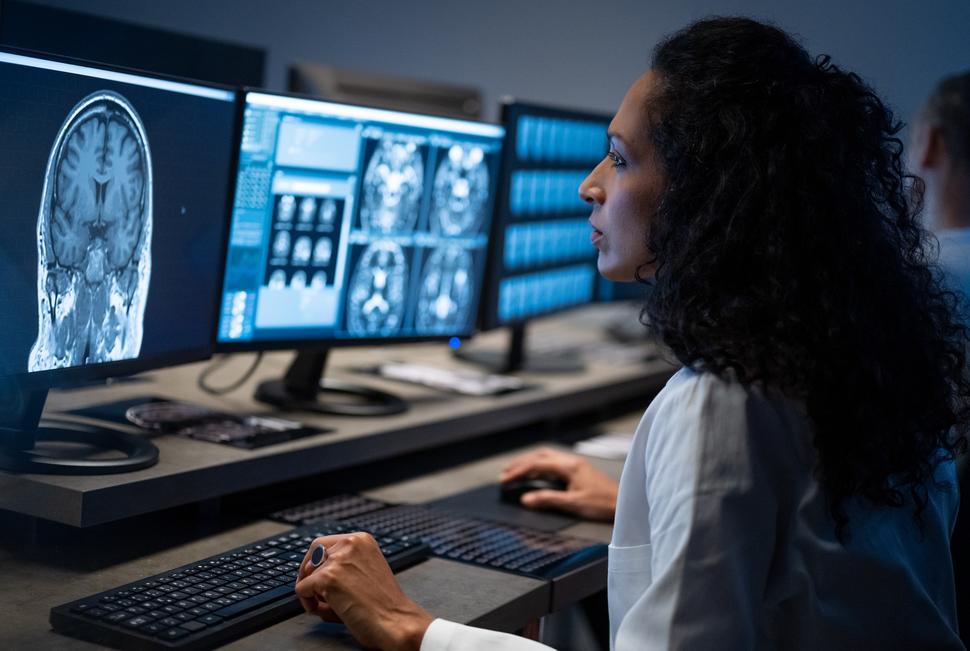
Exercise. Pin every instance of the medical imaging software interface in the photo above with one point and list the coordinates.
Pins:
(546, 262)
(355, 222)
(113, 191)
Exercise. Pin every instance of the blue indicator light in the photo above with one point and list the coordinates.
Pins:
(454, 343)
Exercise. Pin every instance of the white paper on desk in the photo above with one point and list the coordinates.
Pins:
(612, 445)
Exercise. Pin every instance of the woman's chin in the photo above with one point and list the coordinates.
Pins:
(614, 273)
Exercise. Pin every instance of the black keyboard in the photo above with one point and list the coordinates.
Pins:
(213, 601)
(338, 507)
(512, 548)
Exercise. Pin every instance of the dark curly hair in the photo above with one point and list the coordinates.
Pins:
(788, 253)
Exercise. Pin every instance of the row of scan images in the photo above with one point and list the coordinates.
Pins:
(544, 291)
(549, 140)
(534, 244)
(378, 296)
(309, 212)
(546, 192)
(394, 186)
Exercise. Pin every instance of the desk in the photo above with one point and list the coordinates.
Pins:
(191, 471)
(32, 584)
(137, 541)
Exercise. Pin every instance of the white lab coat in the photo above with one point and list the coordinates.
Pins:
(722, 541)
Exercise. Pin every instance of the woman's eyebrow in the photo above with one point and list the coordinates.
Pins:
(613, 135)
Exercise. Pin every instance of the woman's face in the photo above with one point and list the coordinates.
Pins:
(624, 189)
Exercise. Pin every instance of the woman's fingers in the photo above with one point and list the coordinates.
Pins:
(543, 466)
(549, 499)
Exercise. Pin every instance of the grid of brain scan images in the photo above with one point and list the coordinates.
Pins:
(362, 223)
(547, 262)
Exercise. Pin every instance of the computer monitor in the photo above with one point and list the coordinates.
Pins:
(541, 259)
(114, 195)
(353, 225)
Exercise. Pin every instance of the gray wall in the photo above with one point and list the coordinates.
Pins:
(568, 52)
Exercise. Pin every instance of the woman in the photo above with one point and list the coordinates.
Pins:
(792, 487)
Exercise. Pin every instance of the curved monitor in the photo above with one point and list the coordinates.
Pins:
(114, 192)
(354, 225)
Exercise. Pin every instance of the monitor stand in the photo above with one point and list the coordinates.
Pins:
(302, 386)
(515, 357)
(31, 445)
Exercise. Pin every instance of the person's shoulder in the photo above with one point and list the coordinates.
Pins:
(704, 392)
(705, 414)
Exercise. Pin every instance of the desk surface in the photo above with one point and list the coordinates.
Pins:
(37, 578)
(192, 471)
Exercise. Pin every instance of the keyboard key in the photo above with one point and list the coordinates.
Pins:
(173, 634)
(254, 602)
(193, 626)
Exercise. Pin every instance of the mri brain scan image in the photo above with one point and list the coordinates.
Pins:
(460, 191)
(277, 279)
(392, 187)
(281, 245)
(302, 250)
(322, 252)
(286, 208)
(298, 281)
(319, 281)
(328, 212)
(446, 291)
(376, 301)
(94, 232)
(308, 209)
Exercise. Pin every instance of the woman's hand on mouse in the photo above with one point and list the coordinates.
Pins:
(355, 585)
(590, 493)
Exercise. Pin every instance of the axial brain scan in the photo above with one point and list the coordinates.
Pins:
(460, 191)
(446, 290)
(376, 302)
(392, 187)
(94, 233)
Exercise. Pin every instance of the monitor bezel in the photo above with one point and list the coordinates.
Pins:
(488, 308)
(79, 375)
(312, 344)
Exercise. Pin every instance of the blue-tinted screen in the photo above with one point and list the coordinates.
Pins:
(356, 223)
(545, 262)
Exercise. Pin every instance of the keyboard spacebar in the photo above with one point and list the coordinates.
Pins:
(255, 602)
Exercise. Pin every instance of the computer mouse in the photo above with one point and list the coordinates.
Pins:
(511, 491)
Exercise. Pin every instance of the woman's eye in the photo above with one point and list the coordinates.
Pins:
(615, 158)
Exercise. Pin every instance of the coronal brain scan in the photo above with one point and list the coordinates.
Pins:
(298, 281)
(461, 190)
(392, 187)
(376, 301)
(446, 290)
(94, 234)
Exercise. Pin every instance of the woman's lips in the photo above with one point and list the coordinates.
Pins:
(595, 236)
